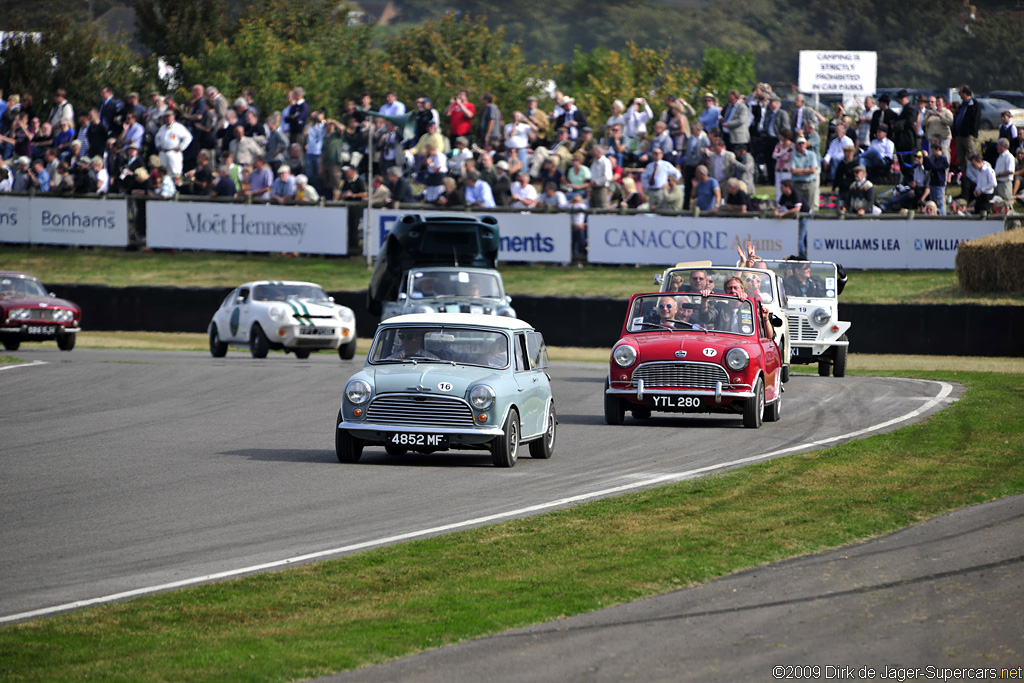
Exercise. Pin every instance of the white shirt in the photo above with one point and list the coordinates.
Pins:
(517, 135)
(986, 179)
(1005, 166)
(636, 119)
(173, 138)
(834, 153)
(601, 172)
(885, 147)
(519, 192)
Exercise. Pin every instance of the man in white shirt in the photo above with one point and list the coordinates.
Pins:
(600, 178)
(1005, 167)
(881, 150)
(517, 137)
(636, 118)
(864, 122)
(834, 153)
(171, 140)
(392, 107)
(524, 195)
(984, 182)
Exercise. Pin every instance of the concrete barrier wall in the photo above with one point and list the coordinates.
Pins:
(927, 329)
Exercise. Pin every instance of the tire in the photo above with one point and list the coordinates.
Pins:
(773, 411)
(823, 368)
(259, 345)
(392, 449)
(218, 349)
(839, 364)
(543, 447)
(753, 407)
(614, 410)
(12, 344)
(348, 447)
(505, 449)
(641, 413)
(301, 354)
(66, 342)
(347, 351)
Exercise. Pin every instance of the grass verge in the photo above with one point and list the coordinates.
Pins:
(120, 268)
(367, 608)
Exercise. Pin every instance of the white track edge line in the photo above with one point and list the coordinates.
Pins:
(944, 392)
(15, 366)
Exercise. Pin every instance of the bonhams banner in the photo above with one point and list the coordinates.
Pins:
(76, 222)
(247, 227)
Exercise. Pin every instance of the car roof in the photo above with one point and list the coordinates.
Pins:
(473, 319)
(17, 273)
(456, 269)
(279, 282)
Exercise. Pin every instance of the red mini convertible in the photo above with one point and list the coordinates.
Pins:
(683, 353)
(29, 313)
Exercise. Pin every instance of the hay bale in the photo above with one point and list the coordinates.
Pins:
(993, 263)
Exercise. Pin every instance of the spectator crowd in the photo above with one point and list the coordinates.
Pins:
(464, 154)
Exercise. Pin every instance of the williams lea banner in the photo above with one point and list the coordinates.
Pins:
(246, 227)
(75, 222)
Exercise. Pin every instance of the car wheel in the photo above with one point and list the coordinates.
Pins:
(66, 342)
(12, 344)
(218, 349)
(641, 413)
(823, 368)
(614, 410)
(259, 346)
(347, 351)
(543, 447)
(348, 447)
(773, 411)
(753, 407)
(505, 450)
(301, 354)
(392, 449)
(839, 364)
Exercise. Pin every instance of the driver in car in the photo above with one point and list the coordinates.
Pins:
(424, 288)
(802, 283)
(412, 346)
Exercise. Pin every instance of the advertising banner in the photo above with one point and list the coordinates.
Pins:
(76, 222)
(887, 244)
(850, 73)
(537, 238)
(663, 240)
(247, 227)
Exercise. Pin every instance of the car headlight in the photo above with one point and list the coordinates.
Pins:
(737, 359)
(624, 355)
(423, 309)
(481, 397)
(20, 314)
(278, 314)
(346, 315)
(357, 392)
(507, 311)
(63, 315)
(820, 317)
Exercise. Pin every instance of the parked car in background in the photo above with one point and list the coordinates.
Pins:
(812, 308)
(298, 317)
(29, 313)
(992, 112)
(1014, 97)
(440, 381)
(713, 359)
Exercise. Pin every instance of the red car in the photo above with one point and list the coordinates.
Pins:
(29, 313)
(683, 353)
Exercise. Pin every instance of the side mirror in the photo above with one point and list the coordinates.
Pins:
(774, 319)
(403, 296)
(657, 279)
(240, 300)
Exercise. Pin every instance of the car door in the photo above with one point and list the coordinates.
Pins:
(772, 363)
(238, 318)
(532, 381)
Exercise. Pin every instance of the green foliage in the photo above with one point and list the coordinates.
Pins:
(723, 70)
(173, 29)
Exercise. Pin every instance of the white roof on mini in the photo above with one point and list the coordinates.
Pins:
(476, 320)
(279, 282)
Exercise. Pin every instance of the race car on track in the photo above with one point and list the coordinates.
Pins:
(297, 317)
(684, 353)
(440, 381)
(29, 313)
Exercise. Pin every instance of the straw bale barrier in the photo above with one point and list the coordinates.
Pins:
(994, 263)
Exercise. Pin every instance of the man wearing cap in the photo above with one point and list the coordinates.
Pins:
(805, 169)
(171, 140)
(773, 120)
(733, 121)
(880, 152)
(539, 118)
(283, 187)
(571, 119)
(904, 135)
(882, 116)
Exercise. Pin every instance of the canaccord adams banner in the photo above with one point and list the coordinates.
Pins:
(247, 227)
(539, 238)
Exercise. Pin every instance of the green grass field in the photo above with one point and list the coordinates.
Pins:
(120, 268)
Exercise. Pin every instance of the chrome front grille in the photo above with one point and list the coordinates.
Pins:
(41, 313)
(800, 329)
(419, 411)
(685, 374)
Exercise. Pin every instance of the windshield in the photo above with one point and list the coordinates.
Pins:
(11, 286)
(426, 283)
(806, 279)
(756, 281)
(282, 292)
(716, 313)
(440, 344)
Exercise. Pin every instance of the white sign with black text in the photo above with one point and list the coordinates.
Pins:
(76, 222)
(887, 244)
(850, 73)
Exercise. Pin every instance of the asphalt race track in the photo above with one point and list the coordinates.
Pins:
(124, 472)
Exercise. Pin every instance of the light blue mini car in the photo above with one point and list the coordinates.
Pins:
(439, 381)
